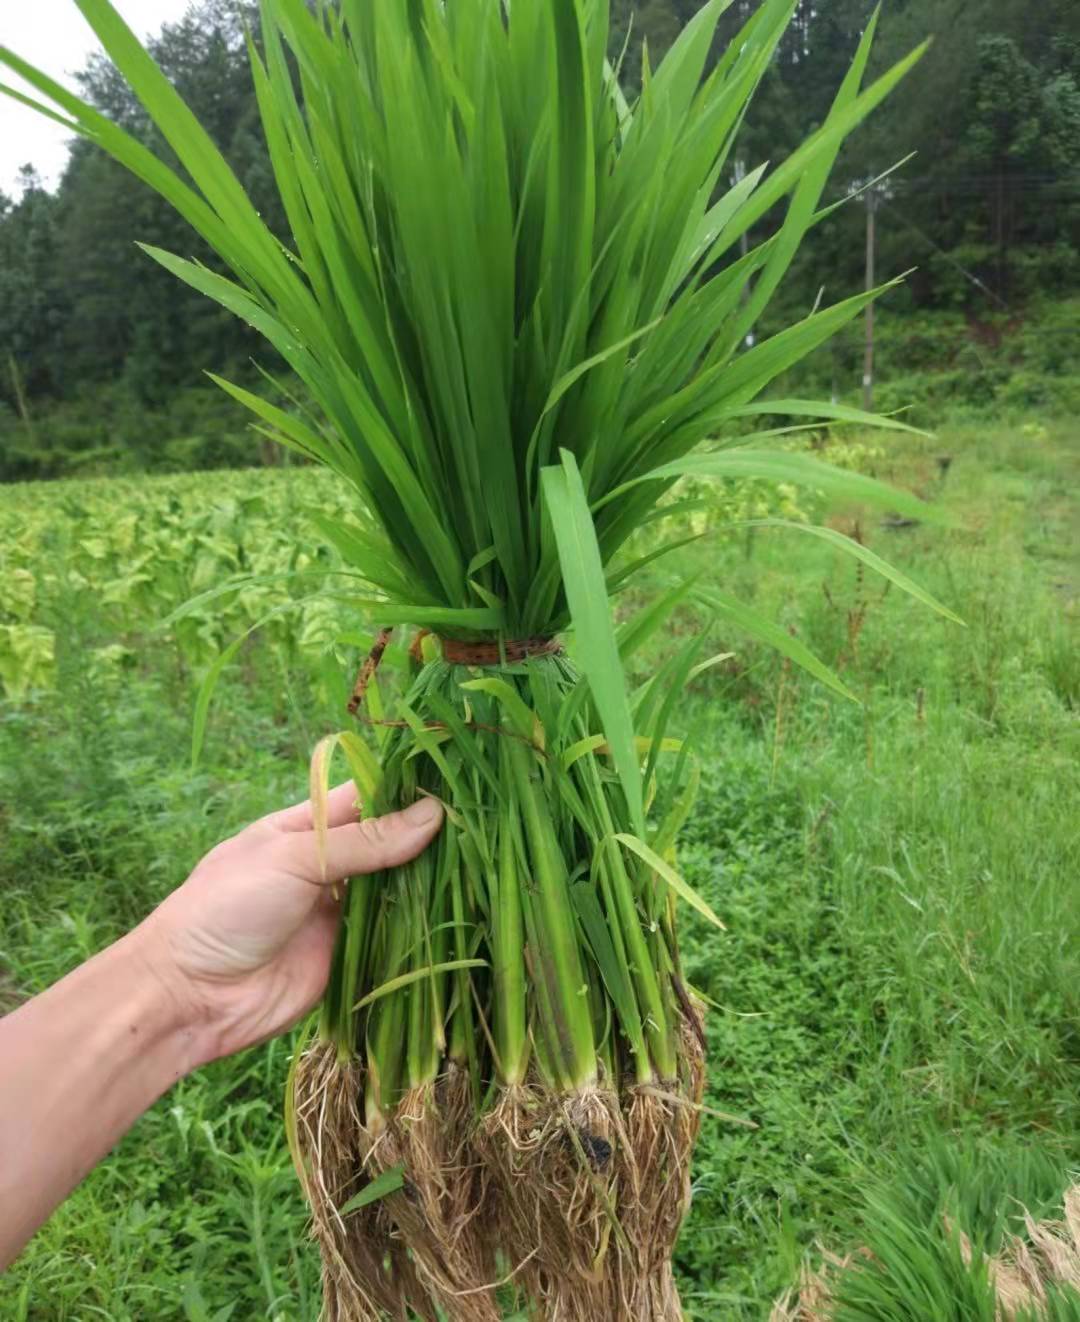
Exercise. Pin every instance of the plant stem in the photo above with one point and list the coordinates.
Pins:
(558, 956)
(507, 943)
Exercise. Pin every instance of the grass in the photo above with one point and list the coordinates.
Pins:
(942, 1237)
(898, 883)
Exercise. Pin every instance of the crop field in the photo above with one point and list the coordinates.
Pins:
(899, 878)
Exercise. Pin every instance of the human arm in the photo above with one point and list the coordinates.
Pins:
(233, 957)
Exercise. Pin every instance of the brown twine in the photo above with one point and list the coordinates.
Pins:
(368, 669)
(497, 653)
(455, 652)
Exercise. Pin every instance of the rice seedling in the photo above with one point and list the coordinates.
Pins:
(969, 1234)
(517, 308)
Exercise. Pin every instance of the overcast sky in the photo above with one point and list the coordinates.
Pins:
(54, 36)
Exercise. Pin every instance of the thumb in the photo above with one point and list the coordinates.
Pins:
(369, 846)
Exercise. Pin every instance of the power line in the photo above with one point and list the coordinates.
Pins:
(968, 275)
(985, 177)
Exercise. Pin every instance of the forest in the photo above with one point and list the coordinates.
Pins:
(101, 353)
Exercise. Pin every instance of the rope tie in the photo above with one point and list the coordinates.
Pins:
(368, 669)
(497, 653)
(456, 653)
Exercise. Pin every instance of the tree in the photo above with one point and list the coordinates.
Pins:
(993, 112)
(32, 298)
(128, 316)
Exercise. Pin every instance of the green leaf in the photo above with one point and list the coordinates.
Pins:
(572, 377)
(620, 577)
(836, 128)
(851, 547)
(803, 207)
(370, 556)
(679, 813)
(390, 1181)
(481, 619)
(207, 688)
(590, 610)
(596, 743)
(599, 934)
(765, 631)
(636, 631)
(71, 125)
(801, 470)
(708, 664)
(522, 717)
(238, 584)
(192, 144)
(808, 408)
(290, 428)
(592, 743)
(417, 975)
(206, 693)
(668, 873)
(364, 767)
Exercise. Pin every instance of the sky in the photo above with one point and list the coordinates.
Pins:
(55, 37)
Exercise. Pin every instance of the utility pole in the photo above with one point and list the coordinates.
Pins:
(738, 174)
(871, 255)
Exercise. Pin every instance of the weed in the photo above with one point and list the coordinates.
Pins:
(900, 963)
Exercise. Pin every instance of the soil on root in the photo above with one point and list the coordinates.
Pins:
(552, 1192)
(663, 1124)
(589, 1193)
(367, 1273)
(575, 1200)
(439, 1213)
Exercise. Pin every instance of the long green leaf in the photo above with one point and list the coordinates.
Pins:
(765, 631)
(572, 377)
(417, 975)
(522, 717)
(209, 684)
(667, 872)
(800, 470)
(853, 548)
(807, 408)
(590, 609)
(195, 604)
(205, 695)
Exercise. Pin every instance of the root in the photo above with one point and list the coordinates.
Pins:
(551, 1165)
(366, 1275)
(569, 1201)
(439, 1212)
(574, 1200)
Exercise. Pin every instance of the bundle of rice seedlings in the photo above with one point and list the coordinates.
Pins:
(974, 1233)
(517, 306)
(1033, 1276)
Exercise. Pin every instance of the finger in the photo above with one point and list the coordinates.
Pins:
(341, 809)
(363, 847)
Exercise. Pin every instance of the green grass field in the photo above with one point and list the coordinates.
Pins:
(899, 879)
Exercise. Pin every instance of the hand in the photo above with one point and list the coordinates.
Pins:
(236, 955)
(244, 946)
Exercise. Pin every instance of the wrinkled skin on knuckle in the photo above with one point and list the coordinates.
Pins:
(376, 832)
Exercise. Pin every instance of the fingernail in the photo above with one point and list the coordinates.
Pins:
(422, 813)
